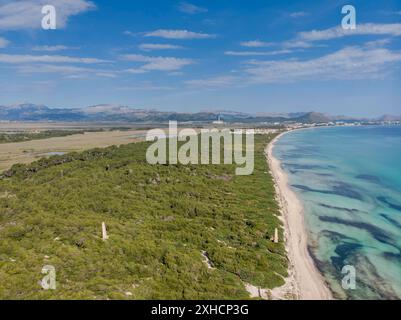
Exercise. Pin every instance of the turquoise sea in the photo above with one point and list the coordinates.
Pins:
(349, 179)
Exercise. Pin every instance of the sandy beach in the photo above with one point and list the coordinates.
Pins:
(305, 279)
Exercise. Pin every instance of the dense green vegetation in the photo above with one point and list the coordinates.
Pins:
(160, 218)
(26, 136)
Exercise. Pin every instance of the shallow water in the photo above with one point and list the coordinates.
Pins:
(349, 179)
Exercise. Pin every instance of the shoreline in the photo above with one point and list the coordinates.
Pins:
(305, 279)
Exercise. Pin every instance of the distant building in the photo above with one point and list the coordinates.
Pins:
(219, 121)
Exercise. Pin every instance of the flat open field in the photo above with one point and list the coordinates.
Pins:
(29, 151)
(21, 126)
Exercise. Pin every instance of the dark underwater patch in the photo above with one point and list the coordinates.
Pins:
(304, 188)
(346, 190)
(320, 265)
(394, 257)
(388, 203)
(297, 166)
(344, 251)
(368, 177)
(345, 248)
(376, 232)
(391, 220)
(339, 208)
(336, 237)
(324, 174)
(286, 156)
(296, 171)
(340, 190)
(370, 284)
(311, 148)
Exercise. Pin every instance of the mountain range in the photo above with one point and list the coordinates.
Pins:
(107, 112)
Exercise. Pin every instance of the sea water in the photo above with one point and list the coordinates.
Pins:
(349, 180)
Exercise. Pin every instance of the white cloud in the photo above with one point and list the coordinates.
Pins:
(135, 71)
(307, 39)
(155, 46)
(3, 42)
(128, 33)
(255, 44)
(51, 48)
(377, 43)
(106, 74)
(213, 83)
(59, 69)
(176, 73)
(190, 8)
(77, 76)
(20, 59)
(297, 44)
(178, 34)
(26, 14)
(72, 72)
(393, 29)
(145, 87)
(256, 53)
(346, 64)
(298, 14)
(158, 63)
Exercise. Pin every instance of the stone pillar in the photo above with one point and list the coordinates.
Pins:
(104, 232)
(275, 235)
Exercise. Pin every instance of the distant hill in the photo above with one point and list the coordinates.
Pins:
(314, 117)
(388, 117)
(110, 112)
(32, 112)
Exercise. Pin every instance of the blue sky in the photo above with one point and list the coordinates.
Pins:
(251, 56)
